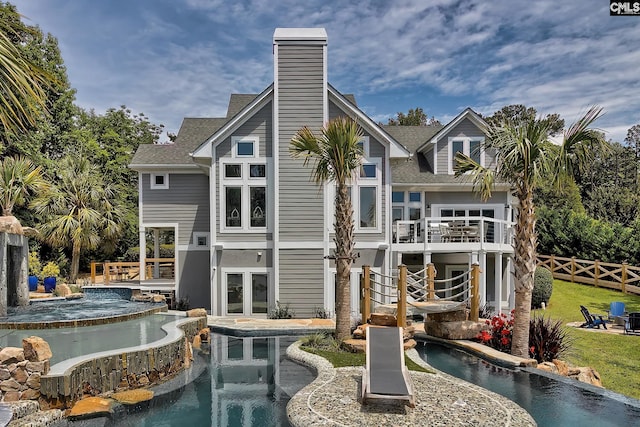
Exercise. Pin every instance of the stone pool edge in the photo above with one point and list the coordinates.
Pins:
(301, 409)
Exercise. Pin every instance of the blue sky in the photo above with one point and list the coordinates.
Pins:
(182, 58)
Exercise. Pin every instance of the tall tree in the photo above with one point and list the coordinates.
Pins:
(415, 117)
(22, 83)
(336, 155)
(80, 212)
(525, 158)
(518, 112)
(20, 180)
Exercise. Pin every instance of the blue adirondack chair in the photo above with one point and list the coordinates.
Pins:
(616, 312)
(592, 320)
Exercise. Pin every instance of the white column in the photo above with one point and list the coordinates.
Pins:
(143, 253)
(508, 275)
(156, 252)
(498, 283)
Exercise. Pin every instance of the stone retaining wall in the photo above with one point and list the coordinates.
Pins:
(22, 368)
(120, 372)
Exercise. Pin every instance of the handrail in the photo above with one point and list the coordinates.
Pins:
(622, 277)
(431, 230)
(128, 270)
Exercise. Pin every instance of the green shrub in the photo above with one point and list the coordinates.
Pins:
(35, 267)
(281, 312)
(542, 287)
(51, 269)
(547, 339)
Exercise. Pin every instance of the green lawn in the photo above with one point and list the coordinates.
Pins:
(615, 357)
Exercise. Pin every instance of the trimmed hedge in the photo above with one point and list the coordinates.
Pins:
(542, 287)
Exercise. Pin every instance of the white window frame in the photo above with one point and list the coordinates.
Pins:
(245, 182)
(154, 186)
(253, 139)
(365, 146)
(465, 149)
(359, 182)
(197, 235)
(246, 287)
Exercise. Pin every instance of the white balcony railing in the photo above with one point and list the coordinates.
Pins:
(445, 230)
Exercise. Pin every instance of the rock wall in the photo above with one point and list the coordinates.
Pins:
(22, 368)
(120, 372)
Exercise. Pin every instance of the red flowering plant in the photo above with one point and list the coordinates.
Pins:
(500, 334)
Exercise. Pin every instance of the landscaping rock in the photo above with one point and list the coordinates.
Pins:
(63, 289)
(36, 349)
(563, 368)
(381, 319)
(197, 312)
(448, 316)
(10, 355)
(10, 224)
(90, 407)
(133, 397)
(355, 345)
(462, 330)
(142, 298)
(588, 375)
(76, 295)
(157, 298)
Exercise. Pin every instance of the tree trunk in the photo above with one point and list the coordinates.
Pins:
(344, 258)
(75, 262)
(525, 267)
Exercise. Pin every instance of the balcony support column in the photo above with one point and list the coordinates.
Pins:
(498, 283)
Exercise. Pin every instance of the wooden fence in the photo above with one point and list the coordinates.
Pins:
(621, 277)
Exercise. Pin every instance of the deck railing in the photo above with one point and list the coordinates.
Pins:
(469, 229)
(622, 277)
(126, 271)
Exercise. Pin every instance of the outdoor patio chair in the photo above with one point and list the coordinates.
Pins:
(632, 325)
(616, 312)
(592, 320)
(385, 375)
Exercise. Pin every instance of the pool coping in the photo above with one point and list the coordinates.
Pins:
(251, 327)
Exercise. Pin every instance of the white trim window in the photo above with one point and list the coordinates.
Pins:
(200, 240)
(159, 181)
(364, 144)
(243, 195)
(366, 196)
(245, 146)
(407, 205)
(471, 146)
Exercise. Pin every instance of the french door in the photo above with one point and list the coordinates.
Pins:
(247, 293)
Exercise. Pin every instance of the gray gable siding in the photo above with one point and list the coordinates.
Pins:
(194, 278)
(301, 276)
(185, 202)
(300, 96)
(464, 129)
(260, 125)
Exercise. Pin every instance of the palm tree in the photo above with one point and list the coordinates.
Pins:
(19, 180)
(22, 84)
(526, 157)
(336, 155)
(81, 212)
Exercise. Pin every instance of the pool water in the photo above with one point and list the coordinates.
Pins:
(66, 343)
(248, 382)
(551, 402)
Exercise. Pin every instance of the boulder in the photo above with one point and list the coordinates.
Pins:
(10, 224)
(360, 333)
(133, 397)
(36, 349)
(63, 290)
(30, 394)
(90, 407)
(75, 295)
(356, 346)
(205, 334)
(462, 330)
(197, 342)
(548, 367)
(448, 316)
(10, 355)
(4, 373)
(39, 367)
(157, 298)
(589, 376)
(382, 319)
(563, 368)
(142, 298)
(197, 312)
(10, 385)
(11, 396)
(20, 375)
(409, 344)
(34, 381)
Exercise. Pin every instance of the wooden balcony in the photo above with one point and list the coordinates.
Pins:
(452, 234)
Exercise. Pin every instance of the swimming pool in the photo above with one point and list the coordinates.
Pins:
(247, 382)
(551, 400)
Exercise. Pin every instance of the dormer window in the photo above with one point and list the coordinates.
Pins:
(465, 145)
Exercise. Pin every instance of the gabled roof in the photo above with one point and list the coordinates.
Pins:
(468, 113)
(396, 149)
(192, 132)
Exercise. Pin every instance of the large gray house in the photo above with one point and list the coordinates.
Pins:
(251, 228)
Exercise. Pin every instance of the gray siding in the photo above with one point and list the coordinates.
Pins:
(194, 278)
(301, 280)
(260, 125)
(464, 129)
(300, 95)
(185, 202)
